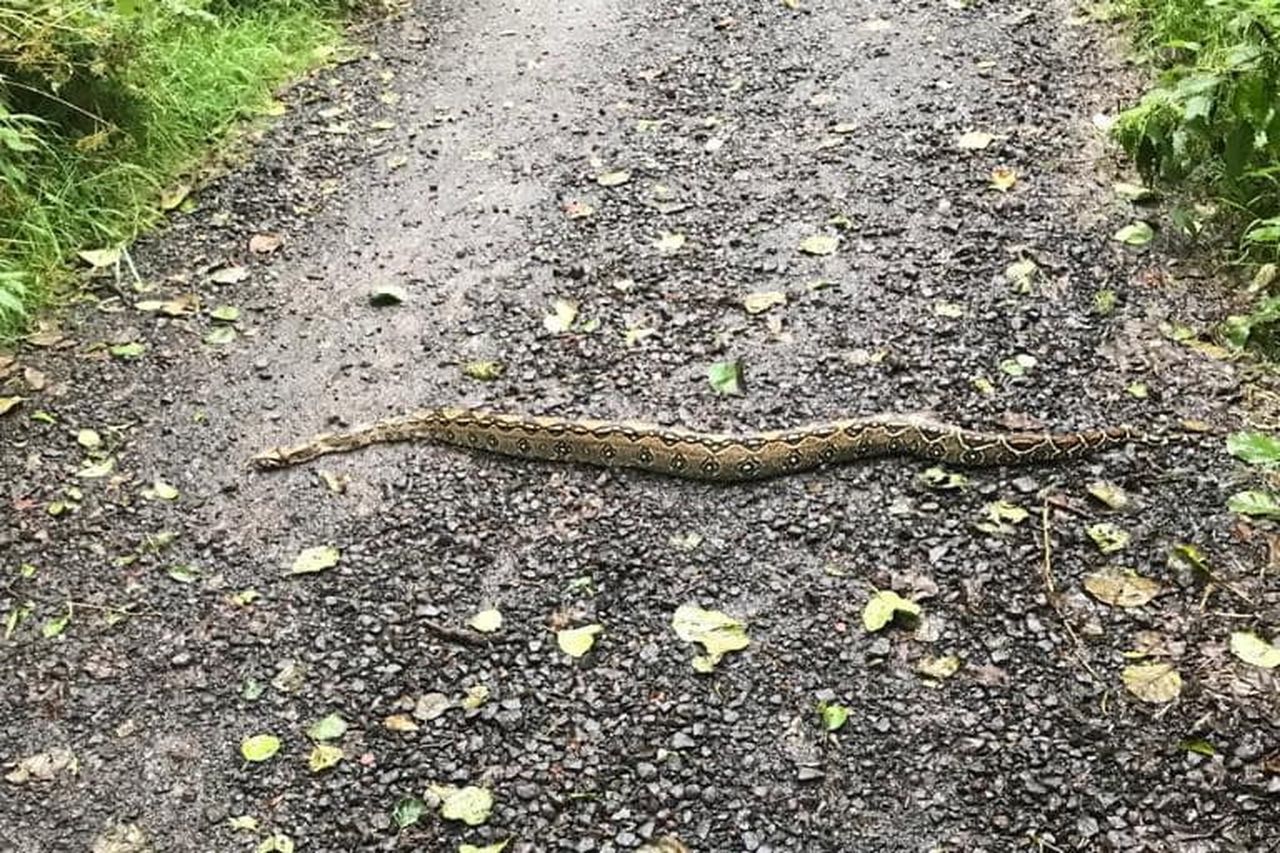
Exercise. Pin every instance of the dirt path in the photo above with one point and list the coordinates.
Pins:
(447, 164)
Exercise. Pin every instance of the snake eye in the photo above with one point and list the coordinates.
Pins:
(794, 459)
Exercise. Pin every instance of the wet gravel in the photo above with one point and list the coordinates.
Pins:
(445, 162)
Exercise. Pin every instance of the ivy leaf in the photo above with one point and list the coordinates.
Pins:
(718, 633)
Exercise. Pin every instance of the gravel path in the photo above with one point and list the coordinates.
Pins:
(456, 162)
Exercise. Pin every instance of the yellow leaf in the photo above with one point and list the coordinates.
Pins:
(323, 756)
(1121, 587)
(717, 632)
(576, 642)
(561, 319)
(316, 559)
(99, 258)
(400, 723)
(761, 301)
(486, 621)
(8, 404)
(974, 140)
(497, 847)
(614, 178)
(1254, 650)
(1152, 682)
(259, 747)
(939, 668)
(471, 804)
(819, 244)
(881, 608)
(1003, 178)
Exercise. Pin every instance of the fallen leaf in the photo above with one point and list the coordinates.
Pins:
(1108, 537)
(408, 811)
(220, 336)
(162, 491)
(323, 756)
(496, 847)
(941, 479)
(563, 315)
(1136, 234)
(761, 301)
(820, 244)
(718, 633)
(244, 823)
(1018, 365)
(183, 573)
(1109, 493)
(1003, 178)
(259, 747)
(1000, 516)
(1132, 192)
(486, 621)
(1256, 448)
(8, 404)
(263, 244)
(276, 842)
(834, 715)
(1022, 274)
(330, 727)
(726, 377)
(336, 483)
(100, 258)
(669, 243)
(974, 140)
(43, 766)
(1152, 682)
(315, 559)
(1255, 503)
(229, 275)
(1104, 302)
(578, 209)
(613, 179)
(133, 349)
(225, 314)
(883, 606)
(89, 439)
(174, 196)
(576, 642)
(387, 295)
(471, 804)
(1254, 650)
(1137, 390)
(484, 371)
(939, 669)
(400, 723)
(1121, 587)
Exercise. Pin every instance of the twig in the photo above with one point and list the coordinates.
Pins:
(456, 635)
(1051, 591)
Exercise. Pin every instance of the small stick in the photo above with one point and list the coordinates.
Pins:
(456, 635)
(1051, 590)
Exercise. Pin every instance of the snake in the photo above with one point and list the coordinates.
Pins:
(708, 456)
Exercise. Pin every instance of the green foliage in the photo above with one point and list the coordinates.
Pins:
(1211, 123)
(105, 102)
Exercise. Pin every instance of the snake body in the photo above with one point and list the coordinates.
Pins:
(707, 456)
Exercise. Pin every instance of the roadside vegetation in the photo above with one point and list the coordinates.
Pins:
(1210, 126)
(106, 104)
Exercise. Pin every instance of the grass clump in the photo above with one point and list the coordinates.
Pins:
(1211, 124)
(103, 104)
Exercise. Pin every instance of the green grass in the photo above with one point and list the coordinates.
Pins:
(86, 167)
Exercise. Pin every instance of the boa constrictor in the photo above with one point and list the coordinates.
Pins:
(708, 456)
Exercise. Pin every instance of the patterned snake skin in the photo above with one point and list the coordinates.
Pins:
(708, 456)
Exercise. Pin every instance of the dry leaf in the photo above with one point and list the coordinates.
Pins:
(1121, 587)
(263, 244)
(1152, 682)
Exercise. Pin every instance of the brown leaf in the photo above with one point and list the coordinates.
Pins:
(264, 244)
